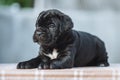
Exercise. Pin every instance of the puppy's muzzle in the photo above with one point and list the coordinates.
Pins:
(37, 36)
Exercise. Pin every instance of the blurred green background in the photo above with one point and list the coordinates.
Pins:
(23, 3)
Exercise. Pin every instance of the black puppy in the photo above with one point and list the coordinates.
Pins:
(61, 47)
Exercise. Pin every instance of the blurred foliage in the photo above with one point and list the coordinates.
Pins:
(23, 3)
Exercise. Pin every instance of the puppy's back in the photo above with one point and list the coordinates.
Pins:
(86, 53)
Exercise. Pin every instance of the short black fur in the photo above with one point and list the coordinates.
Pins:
(75, 48)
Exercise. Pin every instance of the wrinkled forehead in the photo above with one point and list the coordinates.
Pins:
(45, 19)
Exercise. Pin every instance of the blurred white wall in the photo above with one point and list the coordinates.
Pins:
(99, 17)
(16, 31)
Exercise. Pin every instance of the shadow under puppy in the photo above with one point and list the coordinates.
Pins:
(61, 47)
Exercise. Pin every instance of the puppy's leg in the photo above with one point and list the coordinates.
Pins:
(64, 60)
(61, 63)
(33, 63)
(102, 58)
(45, 63)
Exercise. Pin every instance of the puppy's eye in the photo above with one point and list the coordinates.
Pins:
(51, 25)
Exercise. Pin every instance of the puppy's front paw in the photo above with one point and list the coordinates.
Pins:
(103, 64)
(44, 66)
(23, 65)
(33, 63)
(48, 65)
(27, 65)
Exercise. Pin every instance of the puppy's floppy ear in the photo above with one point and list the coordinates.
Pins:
(67, 23)
(40, 17)
(41, 14)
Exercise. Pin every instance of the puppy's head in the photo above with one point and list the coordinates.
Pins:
(50, 25)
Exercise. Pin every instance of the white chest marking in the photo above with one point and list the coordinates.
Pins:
(53, 55)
